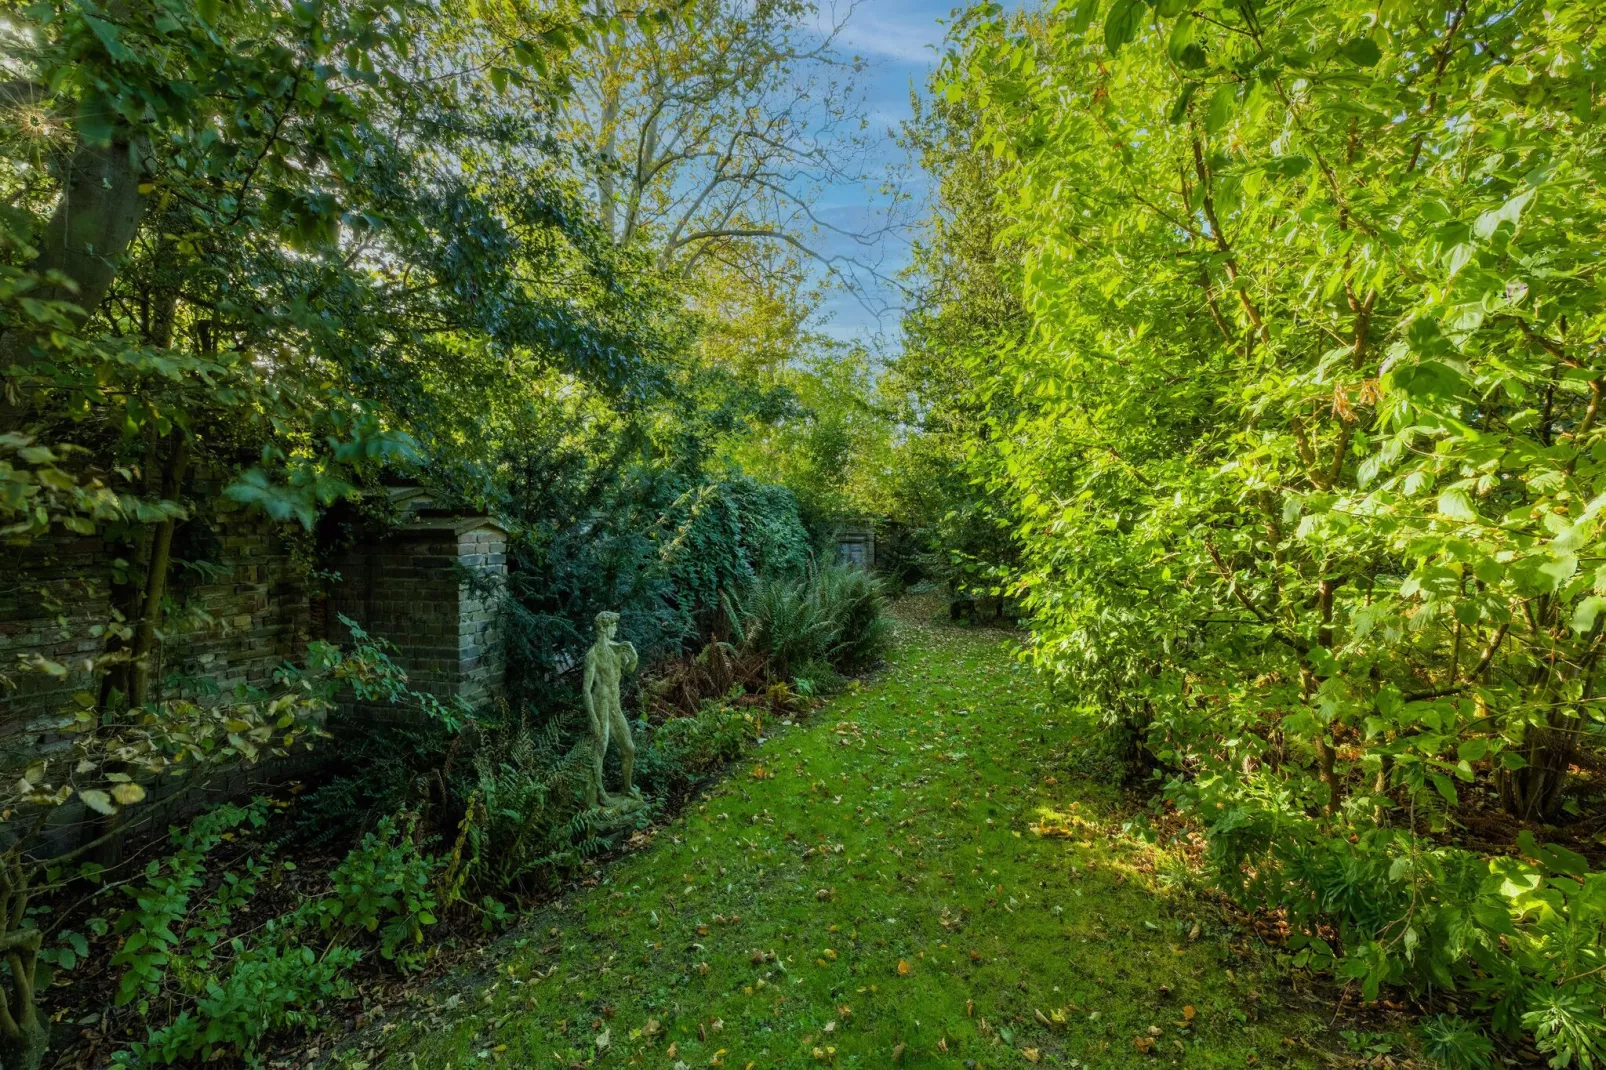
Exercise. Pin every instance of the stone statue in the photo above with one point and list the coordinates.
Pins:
(606, 662)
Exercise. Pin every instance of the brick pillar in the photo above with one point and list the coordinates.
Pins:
(430, 589)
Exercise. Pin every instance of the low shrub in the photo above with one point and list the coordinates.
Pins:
(525, 820)
(1522, 938)
(385, 885)
(221, 990)
(684, 750)
(268, 987)
(855, 602)
(834, 614)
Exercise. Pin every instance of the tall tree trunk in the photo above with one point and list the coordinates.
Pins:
(126, 594)
(93, 224)
(143, 650)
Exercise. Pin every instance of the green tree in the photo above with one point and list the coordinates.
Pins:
(966, 310)
(1307, 456)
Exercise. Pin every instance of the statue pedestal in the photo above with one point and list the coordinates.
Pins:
(624, 804)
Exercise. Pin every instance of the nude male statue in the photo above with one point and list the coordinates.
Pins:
(606, 662)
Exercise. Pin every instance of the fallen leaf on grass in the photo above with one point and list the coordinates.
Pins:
(903, 968)
(1143, 1044)
(897, 1053)
(1188, 1012)
(1031, 1055)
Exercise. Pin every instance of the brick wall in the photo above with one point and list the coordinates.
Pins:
(244, 610)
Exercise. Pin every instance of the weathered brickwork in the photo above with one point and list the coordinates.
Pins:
(242, 611)
(52, 595)
(431, 588)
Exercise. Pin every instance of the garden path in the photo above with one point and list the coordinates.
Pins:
(914, 877)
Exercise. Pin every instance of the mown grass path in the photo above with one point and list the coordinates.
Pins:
(911, 878)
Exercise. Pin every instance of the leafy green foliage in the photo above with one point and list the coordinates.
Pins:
(659, 546)
(1302, 449)
(235, 985)
(684, 750)
(525, 821)
(154, 926)
(265, 989)
(908, 819)
(834, 614)
(384, 886)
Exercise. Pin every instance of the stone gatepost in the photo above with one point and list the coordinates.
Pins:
(430, 588)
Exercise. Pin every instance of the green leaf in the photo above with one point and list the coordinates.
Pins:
(1510, 212)
(1558, 569)
(1222, 103)
(1122, 23)
(108, 36)
(1454, 503)
(1170, 9)
(1587, 612)
(1472, 750)
(1363, 52)
(1181, 46)
(98, 801)
(96, 120)
(1082, 18)
(1179, 110)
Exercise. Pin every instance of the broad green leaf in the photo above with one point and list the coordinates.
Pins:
(1222, 104)
(1082, 17)
(1587, 611)
(1455, 504)
(1509, 212)
(1122, 23)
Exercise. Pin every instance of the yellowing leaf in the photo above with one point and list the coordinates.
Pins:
(128, 794)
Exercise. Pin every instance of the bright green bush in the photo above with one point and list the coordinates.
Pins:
(267, 987)
(1304, 452)
(526, 822)
(855, 603)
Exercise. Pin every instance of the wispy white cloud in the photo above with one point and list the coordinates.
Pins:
(900, 30)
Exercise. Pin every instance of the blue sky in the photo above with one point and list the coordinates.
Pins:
(898, 39)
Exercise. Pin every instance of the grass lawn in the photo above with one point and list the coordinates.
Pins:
(911, 878)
